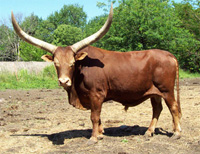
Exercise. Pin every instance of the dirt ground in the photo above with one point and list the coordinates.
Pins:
(42, 121)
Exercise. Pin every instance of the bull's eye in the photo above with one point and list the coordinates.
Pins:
(56, 62)
(71, 64)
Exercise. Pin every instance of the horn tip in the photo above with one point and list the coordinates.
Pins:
(12, 15)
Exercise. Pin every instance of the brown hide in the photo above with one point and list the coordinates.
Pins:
(128, 78)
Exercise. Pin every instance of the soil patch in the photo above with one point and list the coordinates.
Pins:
(42, 121)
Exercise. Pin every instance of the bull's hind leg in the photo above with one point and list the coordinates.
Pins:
(174, 109)
(157, 108)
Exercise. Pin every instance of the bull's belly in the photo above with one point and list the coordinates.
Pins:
(132, 99)
(131, 102)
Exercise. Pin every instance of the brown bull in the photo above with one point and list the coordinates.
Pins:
(92, 76)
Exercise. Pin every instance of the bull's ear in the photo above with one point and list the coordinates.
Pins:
(47, 58)
(80, 55)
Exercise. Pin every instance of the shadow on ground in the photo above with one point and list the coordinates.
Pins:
(58, 138)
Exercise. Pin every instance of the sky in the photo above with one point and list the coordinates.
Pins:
(44, 8)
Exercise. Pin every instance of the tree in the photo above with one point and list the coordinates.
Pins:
(93, 26)
(31, 24)
(54, 30)
(147, 24)
(70, 15)
(66, 35)
(71, 19)
(27, 52)
(189, 13)
(45, 31)
(30, 52)
(61, 28)
(4, 54)
(9, 41)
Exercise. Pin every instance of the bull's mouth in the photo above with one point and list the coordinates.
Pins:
(64, 85)
(64, 82)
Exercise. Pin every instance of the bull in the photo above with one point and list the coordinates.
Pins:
(91, 76)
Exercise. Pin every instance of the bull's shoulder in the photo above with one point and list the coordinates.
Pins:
(94, 52)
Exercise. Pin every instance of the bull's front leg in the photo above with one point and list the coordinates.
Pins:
(101, 131)
(97, 130)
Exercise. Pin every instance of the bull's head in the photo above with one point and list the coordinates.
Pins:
(64, 58)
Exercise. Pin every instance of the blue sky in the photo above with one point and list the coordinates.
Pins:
(43, 8)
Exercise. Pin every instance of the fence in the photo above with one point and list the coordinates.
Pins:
(13, 67)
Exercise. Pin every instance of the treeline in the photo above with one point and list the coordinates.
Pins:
(137, 25)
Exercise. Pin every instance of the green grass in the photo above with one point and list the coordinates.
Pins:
(187, 74)
(47, 79)
(24, 80)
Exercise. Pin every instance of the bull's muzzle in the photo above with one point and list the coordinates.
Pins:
(65, 82)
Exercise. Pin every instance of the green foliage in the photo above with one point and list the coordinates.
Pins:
(45, 30)
(189, 13)
(70, 15)
(61, 28)
(149, 24)
(29, 52)
(93, 26)
(24, 80)
(66, 35)
(31, 24)
(189, 52)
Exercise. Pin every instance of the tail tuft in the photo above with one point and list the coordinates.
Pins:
(126, 108)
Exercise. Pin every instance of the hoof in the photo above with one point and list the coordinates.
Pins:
(92, 141)
(148, 134)
(100, 137)
(176, 136)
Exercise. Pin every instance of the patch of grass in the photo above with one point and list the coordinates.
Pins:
(24, 80)
(186, 74)
(46, 79)
(124, 141)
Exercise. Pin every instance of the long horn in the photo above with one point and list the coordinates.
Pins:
(96, 36)
(34, 41)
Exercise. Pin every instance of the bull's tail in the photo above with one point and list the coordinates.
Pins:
(177, 88)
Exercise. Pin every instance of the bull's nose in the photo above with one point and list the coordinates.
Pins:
(65, 81)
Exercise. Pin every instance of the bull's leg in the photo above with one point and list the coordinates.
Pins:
(157, 108)
(174, 109)
(96, 121)
(95, 117)
(101, 130)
